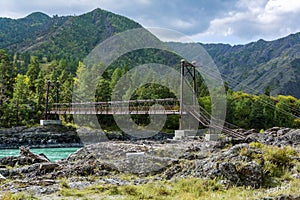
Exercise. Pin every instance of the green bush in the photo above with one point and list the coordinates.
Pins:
(281, 157)
(17, 196)
(256, 145)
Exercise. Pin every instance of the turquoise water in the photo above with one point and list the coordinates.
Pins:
(51, 153)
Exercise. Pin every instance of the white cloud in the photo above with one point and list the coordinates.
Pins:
(283, 6)
(182, 23)
(251, 20)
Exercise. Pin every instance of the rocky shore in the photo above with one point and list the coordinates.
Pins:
(256, 162)
(57, 136)
(39, 137)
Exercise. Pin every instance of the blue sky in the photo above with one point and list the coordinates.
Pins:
(207, 21)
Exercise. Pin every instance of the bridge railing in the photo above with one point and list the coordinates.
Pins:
(168, 106)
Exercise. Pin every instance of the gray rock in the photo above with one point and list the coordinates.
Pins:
(2, 177)
(42, 136)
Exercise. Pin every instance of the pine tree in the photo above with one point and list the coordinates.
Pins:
(22, 101)
(7, 77)
(33, 72)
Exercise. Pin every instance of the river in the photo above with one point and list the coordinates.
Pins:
(51, 153)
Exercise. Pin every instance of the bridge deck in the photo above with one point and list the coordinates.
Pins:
(112, 112)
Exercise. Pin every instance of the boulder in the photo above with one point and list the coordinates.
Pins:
(228, 165)
(26, 158)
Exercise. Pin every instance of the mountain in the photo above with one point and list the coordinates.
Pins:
(254, 67)
(70, 37)
(15, 32)
(262, 65)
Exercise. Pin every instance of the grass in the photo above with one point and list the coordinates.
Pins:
(277, 162)
(17, 196)
(191, 188)
(180, 189)
(64, 183)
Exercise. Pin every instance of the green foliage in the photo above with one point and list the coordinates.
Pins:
(276, 162)
(24, 30)
(261, 112)
(281, 157)
(256, 145)
(103, 91)
(7, 77)
(64, 183)
(17, 196)
(283, 116)
(189, 189)
(22, 103)
(33, 72)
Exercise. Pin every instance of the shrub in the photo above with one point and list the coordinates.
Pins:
(17, 196)
(282, 157)
(256, 145)
(64, 183)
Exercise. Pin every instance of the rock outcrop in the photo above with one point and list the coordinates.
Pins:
(228, 165)
(277, 136)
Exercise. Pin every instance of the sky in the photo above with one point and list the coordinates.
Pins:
(207, 21)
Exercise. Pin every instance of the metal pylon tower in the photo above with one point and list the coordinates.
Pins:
(187, 69)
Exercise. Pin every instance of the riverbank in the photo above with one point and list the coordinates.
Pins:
(59, 136)
(39, 137)
(53, 154)
(267, 168)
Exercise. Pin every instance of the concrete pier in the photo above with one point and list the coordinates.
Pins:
(182, 134)
(50, 122)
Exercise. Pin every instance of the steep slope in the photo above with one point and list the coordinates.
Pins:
(80, 34)
(71, 37)
(259, 65)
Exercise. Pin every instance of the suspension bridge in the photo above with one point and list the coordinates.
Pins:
(167, 106)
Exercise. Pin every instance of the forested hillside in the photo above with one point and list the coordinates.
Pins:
(261, 65)
(39, 48)
(253, 68)
(67, 37)
(16, 33)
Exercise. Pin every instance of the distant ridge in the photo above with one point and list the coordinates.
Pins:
(259, 65)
